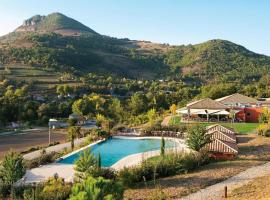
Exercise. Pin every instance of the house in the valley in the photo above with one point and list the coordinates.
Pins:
(79, 118)
(54, 124)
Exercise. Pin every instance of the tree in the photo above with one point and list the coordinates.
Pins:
(162, 147)
(73, 132)
(103, 122)
(67, 89)
(60, 90)
(197, 137)
(82, 106)
(137, 103)
(152, 115)
(173, 108)
(99, 161)
(116, 110)
(97, 189)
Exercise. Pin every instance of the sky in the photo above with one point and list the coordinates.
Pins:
(177, 22)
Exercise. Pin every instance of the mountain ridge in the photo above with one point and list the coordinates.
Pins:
(53, 22)
(52, 37)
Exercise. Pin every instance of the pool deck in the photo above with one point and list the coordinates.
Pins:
(67, 171)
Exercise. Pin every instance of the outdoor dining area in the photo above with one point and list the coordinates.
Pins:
(205, 110)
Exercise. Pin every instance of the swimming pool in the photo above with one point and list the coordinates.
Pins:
(114, 149)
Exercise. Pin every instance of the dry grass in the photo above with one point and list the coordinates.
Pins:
(254, 150)
(259, 188)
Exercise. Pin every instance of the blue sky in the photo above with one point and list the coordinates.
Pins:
(245, 22)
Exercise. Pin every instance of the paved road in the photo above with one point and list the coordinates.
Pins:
(216, 192)
(22, 142)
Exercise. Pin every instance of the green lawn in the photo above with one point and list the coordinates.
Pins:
(242, 128)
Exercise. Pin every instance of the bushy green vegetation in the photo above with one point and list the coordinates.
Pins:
(197, 137)
(161, 166)
(219, 59)
(54, 188)
(98, 189)
(11, 170)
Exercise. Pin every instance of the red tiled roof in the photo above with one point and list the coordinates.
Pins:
(222, 136)
(206, 104)
(223, 146)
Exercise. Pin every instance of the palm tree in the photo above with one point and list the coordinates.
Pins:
(73, 132)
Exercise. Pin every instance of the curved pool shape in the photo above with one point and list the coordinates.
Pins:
(114, 149)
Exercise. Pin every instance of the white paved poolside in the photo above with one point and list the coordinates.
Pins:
(67, 171)
(42, 173)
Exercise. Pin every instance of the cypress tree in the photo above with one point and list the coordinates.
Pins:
(162, 147)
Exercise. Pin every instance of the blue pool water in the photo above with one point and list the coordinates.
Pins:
(114, 149)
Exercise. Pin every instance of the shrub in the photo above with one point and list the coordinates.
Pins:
(4, 189)
(266, 132)
(85, 164)
(98, 189)
(261, 129)
(264, 116)
(173, 163)
(158, 194)
(55, 188)
(11, 170)
(106, 173)
(44, 158)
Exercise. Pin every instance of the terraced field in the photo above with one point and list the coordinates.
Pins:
(43, 78)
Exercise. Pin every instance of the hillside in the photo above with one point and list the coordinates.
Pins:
(64, 44)
(218, 59)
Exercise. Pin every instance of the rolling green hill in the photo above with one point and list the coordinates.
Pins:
(59, 42)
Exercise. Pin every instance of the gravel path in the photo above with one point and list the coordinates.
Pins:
(216, 192)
